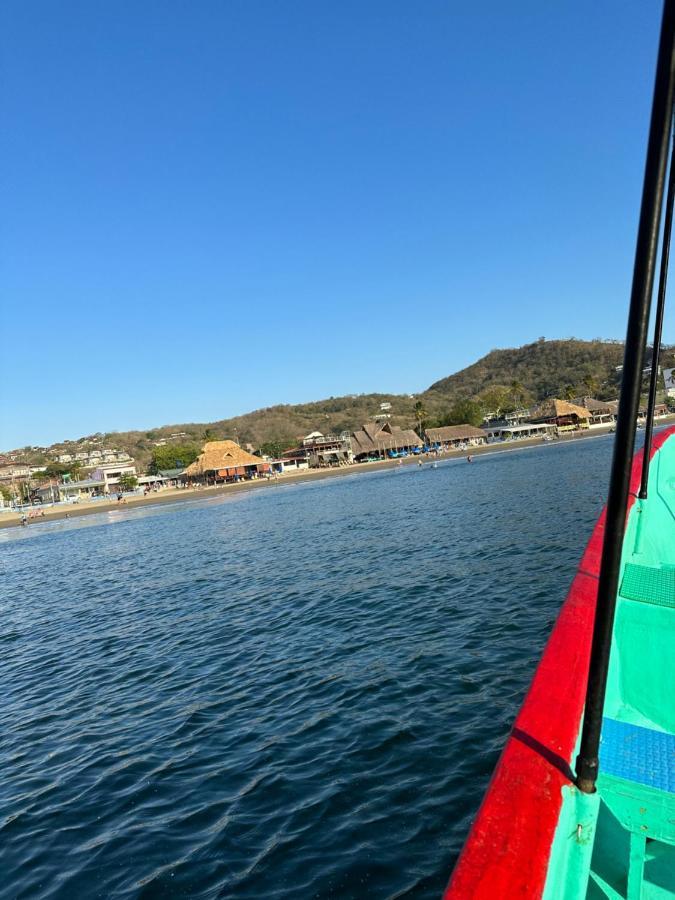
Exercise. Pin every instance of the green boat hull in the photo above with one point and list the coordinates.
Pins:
(620, 842)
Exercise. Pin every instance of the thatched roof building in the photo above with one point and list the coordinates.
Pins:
(225, 459)
(600, 406)
(601, 411)
(376, 438)
(455, 434)
(561, 413)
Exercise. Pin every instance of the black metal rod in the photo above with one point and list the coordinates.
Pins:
(638, 323)
(658, 326)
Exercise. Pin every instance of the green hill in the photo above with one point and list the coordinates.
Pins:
(525, 374)
(544, 369)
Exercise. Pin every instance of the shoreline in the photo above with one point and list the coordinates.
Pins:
(182, 495)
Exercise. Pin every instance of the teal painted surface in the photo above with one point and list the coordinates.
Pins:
(641, 686)
(572, 848)
(632, 826)
(649, 584)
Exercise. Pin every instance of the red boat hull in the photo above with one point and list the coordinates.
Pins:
(508, 848)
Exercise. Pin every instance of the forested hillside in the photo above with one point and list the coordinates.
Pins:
(501, 379)
(544, 369)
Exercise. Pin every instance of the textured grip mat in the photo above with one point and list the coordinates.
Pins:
(649, 584)
(638, 754)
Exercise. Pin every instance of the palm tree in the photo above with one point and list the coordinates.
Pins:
(420, 415)
(569, 393)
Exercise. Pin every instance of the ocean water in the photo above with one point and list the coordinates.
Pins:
(288, 693)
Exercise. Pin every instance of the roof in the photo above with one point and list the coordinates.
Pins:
(221, 455)
(517, 429)
(373, 438)
(554, 409)
(171, 473)
(600, 406)
(80, 485)
(453, 433)
(114, 466)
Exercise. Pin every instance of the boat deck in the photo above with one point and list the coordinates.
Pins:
(634, 852)
(638, 754)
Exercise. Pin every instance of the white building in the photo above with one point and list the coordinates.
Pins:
(518, 432)
(109, 474)
(18, 470)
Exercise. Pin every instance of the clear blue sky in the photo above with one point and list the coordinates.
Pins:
(214, 206)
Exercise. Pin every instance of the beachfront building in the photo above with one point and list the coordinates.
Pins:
(660, 410)
(519, 432)
(164, 478)
(150, 482)
(603, 412)
(517, 416)
(378, 440)
(73, 491)
(564, 415)
(109, 474)
(222, 461)
(47, 493)
(173, 477)
(289, 464)
(323, 450)
(297, 455)
(450, 437)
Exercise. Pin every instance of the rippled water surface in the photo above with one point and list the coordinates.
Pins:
(294, 692)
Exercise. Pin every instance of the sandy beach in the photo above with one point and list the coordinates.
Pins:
(177, 495)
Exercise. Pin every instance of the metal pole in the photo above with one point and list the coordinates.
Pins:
(638, 321)
(658, 326)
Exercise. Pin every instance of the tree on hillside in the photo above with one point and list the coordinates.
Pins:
(496, 399)
(591, 385)
(420, 416)
(274, 449)
(173, 456)
(570, 392)
(210, 435)
(544, 368)
(519, 394)
(464, 412)
(58, 470)
(127, 481)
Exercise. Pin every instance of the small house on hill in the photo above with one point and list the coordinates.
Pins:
(225, 461)
(566, 416)
(454, 435)
(377, 439)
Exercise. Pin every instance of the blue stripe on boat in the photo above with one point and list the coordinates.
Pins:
(638, 754)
